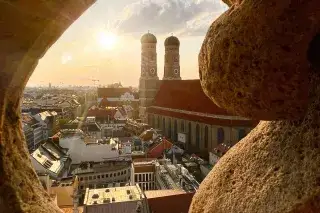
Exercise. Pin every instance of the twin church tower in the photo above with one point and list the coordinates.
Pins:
(149, 81)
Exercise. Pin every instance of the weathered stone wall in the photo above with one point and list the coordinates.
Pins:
(27, 30)
(263, 56)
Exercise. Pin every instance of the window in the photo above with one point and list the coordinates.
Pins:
(107, 175)
(111, 175)
(242, 134)
(81, 179)
(81, 187)
(189, 133)
(154, 121)
(182, 126)
(98, 176)
(158, 121)
(118, 173)
(206, 137)
(102, 176)
(90, 178)
(175, 130)
(220, 135)
(198, 136)
(164, 124)
(94, 177)
(85, 178)
(125, 171)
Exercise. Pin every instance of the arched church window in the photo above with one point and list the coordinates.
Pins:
(150, 119)
(242, 134)
(182, 126)
(175, 131)
(164, 125)
(189, 133)
(169, 128)
(154, 124)
(206, 137)
(220, 135)
(198, 136)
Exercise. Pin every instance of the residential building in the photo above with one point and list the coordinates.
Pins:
(39, 131)
(94, 175)
(29, 136)
(88, 148)
(51, 159)
(49, 122)
(127, 199)
(154, 174)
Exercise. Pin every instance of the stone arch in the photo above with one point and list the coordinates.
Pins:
(25, 38)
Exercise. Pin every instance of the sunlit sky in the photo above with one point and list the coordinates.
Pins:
(104, 43)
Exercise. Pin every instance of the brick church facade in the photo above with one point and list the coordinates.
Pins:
(179, 107)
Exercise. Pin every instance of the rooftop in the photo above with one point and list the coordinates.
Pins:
(113, 195)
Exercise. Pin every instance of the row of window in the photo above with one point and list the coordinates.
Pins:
(220, 132)
(101, 185)
(147, 186)
(94, 177)
(144, 177)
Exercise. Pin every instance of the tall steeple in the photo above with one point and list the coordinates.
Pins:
(149, 80)
(172, 59)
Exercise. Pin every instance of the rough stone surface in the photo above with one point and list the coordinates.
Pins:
(275, 169)
(27, 30)
(253, 61)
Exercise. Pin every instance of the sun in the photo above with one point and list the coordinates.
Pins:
(107, 40)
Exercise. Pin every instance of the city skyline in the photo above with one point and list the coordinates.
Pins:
(104, 43)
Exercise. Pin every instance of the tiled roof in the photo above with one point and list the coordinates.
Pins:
(112, 92)
(178, 203)
(202, 119)
(101, 112)
(186, 95)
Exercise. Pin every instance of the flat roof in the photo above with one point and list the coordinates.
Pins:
(113, 195)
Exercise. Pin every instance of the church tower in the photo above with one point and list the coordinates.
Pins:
(149, 80)
(172, 59)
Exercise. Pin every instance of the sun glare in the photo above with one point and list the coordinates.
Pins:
(107, 40)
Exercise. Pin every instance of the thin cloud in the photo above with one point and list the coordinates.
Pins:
(186, 17)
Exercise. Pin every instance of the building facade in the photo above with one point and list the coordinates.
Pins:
(180, 108)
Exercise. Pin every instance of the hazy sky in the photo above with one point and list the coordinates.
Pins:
(104, 43)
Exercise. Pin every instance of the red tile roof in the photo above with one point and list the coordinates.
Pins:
(112, 92)
(186, 95)
(202, 119)
(179, 203)
(101, 112)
